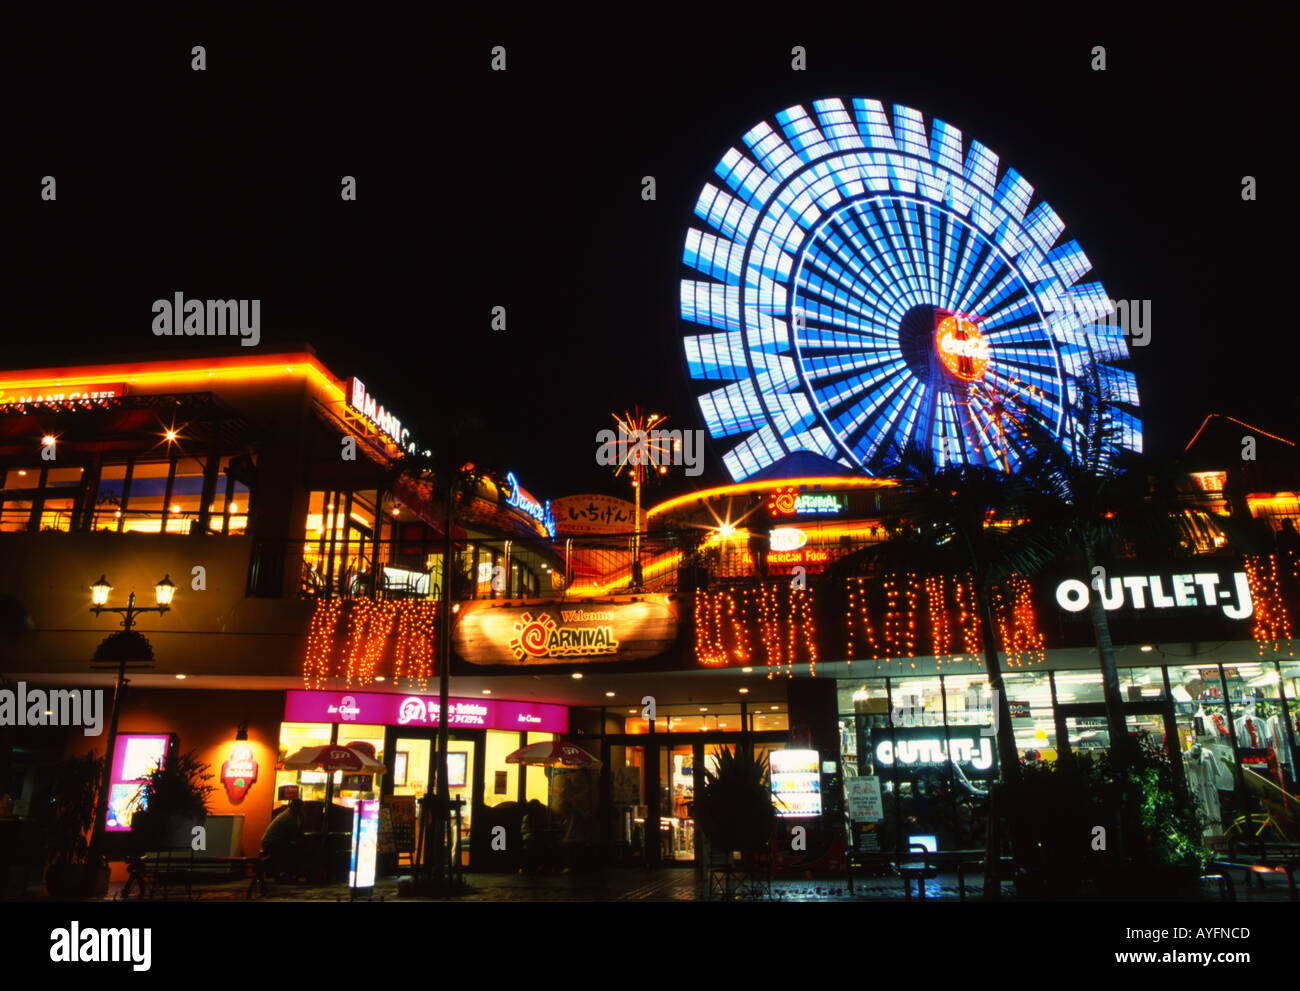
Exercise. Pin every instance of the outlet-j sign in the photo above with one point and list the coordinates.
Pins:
(1205, 590)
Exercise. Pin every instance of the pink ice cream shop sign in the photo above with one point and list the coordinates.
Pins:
(391, 709)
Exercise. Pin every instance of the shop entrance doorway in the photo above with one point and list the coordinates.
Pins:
(652, 790)
(1081, 727)
(411, 768)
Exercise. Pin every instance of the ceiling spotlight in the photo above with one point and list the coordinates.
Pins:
(1147, 648)
(486, 691)
(747, 670)
(577, 675)
(744, 691)
(47, 440)
(609, 695)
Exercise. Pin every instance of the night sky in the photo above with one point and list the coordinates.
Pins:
(523, 188)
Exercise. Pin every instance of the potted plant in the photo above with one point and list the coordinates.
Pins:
(733, 807)
(172, 800)
(67, 821)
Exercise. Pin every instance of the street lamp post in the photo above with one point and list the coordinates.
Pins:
(99, 591)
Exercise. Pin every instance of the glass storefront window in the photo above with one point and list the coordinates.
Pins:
(501, 780)
(1029, 697)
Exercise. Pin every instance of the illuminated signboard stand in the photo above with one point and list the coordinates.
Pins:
(365, 849)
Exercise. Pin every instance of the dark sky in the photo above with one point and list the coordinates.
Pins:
(522, 188)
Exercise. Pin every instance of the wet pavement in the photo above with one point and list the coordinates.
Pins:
(668, 884)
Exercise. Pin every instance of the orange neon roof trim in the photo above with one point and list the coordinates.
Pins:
(179, 372)
(1239, 423)
(742, 488)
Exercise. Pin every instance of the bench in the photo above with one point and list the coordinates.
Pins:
(160, 869)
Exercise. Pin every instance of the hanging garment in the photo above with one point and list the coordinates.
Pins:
(1200, 723)
(1201, 781)
(1252, 733)
(1277, 732)
(1222, 765)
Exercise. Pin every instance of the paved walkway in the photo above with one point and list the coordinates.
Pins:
(665, 884)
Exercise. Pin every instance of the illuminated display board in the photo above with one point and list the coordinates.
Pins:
(866, 287)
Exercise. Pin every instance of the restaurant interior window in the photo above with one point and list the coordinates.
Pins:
(144, 508)
(20, 486)
(108, 499)
(187, 494)
(60, 495)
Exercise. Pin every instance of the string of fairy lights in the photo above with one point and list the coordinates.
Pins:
(1018, 631)
(1272, 626)
(349, 640)
(885, 621)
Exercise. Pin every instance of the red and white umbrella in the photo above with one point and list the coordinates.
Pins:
(553, 754)
(334, 757)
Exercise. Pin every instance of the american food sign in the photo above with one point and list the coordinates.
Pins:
(558, 632)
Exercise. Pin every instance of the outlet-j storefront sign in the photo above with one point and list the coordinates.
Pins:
(560, 632)
(911, 750)
(1204, 590)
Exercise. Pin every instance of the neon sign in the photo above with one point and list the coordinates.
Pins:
(530, 506)
(789, 503)
(961, 348)
(382, 419)
(915, 749)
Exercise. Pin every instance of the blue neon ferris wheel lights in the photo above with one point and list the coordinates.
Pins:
(866, 288)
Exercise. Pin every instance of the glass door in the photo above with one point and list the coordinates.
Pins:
(411, 773)
(677, 768)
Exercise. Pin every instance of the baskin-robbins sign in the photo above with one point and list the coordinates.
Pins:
(560, 632)
(391, 709)
(1204, 590)
(239, 772)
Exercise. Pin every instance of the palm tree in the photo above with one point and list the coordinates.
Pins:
(452, 479)
(1088, 503)
(953, 519)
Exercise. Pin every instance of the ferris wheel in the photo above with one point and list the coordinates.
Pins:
(867, 288)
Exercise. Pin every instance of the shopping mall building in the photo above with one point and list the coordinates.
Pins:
(308, 559)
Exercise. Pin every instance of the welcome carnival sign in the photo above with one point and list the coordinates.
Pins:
(556, 632)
